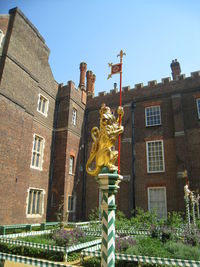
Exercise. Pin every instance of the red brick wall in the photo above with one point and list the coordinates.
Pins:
(25, 74)
(4, 19)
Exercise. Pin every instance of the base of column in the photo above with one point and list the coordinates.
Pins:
(108, 183)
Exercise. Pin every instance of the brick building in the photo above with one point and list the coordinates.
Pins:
(45, 135)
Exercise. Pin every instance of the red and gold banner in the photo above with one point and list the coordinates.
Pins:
(116, 68)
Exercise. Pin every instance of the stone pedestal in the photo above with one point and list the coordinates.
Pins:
(108, 184)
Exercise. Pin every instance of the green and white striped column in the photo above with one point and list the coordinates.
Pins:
(198, 197)
(108, 184)
(187, 207)
(192, 198)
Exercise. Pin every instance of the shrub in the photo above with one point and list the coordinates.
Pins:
(198, 223)
(92, 262)
(191, 236)
(148, 246)
(96, 262)
(122, 244)
(94, 214)
(155, 231)
(144, 219)
(41, 239)
(31, 252)
(175, 219)
(166, 233)
(181, 251)
(121, 220)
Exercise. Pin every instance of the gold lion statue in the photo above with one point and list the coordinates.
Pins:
(102, 151)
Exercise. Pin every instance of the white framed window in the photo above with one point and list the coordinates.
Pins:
(157, 201)
(71, 164)
(35, 203)
(74, 116)
(155, 156)
(153, 116)
(198, 107)
(43, 105)
(71, 203)
(37, 152)
(1, 37)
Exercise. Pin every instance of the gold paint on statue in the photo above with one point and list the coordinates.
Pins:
(102, 151)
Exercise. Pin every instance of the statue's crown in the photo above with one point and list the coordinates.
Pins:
(104, 109)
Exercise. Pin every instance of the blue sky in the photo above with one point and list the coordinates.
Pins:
(151, 32)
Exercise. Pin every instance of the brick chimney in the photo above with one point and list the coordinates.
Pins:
(83, 68)
(93, 84)
(176, 69)
(91, 78)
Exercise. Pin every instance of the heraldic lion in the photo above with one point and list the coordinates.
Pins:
(102, 151)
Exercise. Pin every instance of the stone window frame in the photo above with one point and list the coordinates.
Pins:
(162, 166)
(154, 116)
(71, 203)
(42, 99)
(71, 164)
(165, 199)
(74, 116)
(41, 203)
(36, 152)
(198, 107)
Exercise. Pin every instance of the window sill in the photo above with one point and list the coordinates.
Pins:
(35, 168)
(33, 216)
(147, 126)
(43, 114)
(149, 172)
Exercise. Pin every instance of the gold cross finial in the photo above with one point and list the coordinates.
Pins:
(121, 54)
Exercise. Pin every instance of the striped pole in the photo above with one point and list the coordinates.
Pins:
(187, 209)
(108, 183)
(192, 198)
(198, 197)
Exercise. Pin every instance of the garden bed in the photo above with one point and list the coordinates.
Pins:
(153, 252)
(60, 245)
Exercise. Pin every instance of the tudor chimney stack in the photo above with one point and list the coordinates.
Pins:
(176, 69)
(83, 68)
(91, 78)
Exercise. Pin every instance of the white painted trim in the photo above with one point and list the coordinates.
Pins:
(198, 110)
(147, 156)
(146, 116)
(165, 195)
(42, 153)
(47, 108)
(42, 207)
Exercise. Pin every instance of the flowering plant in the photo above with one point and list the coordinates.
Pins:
(64, 237)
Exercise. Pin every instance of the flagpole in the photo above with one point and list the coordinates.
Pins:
(120, 104)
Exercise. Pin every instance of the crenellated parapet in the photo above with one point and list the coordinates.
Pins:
(180, 81)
